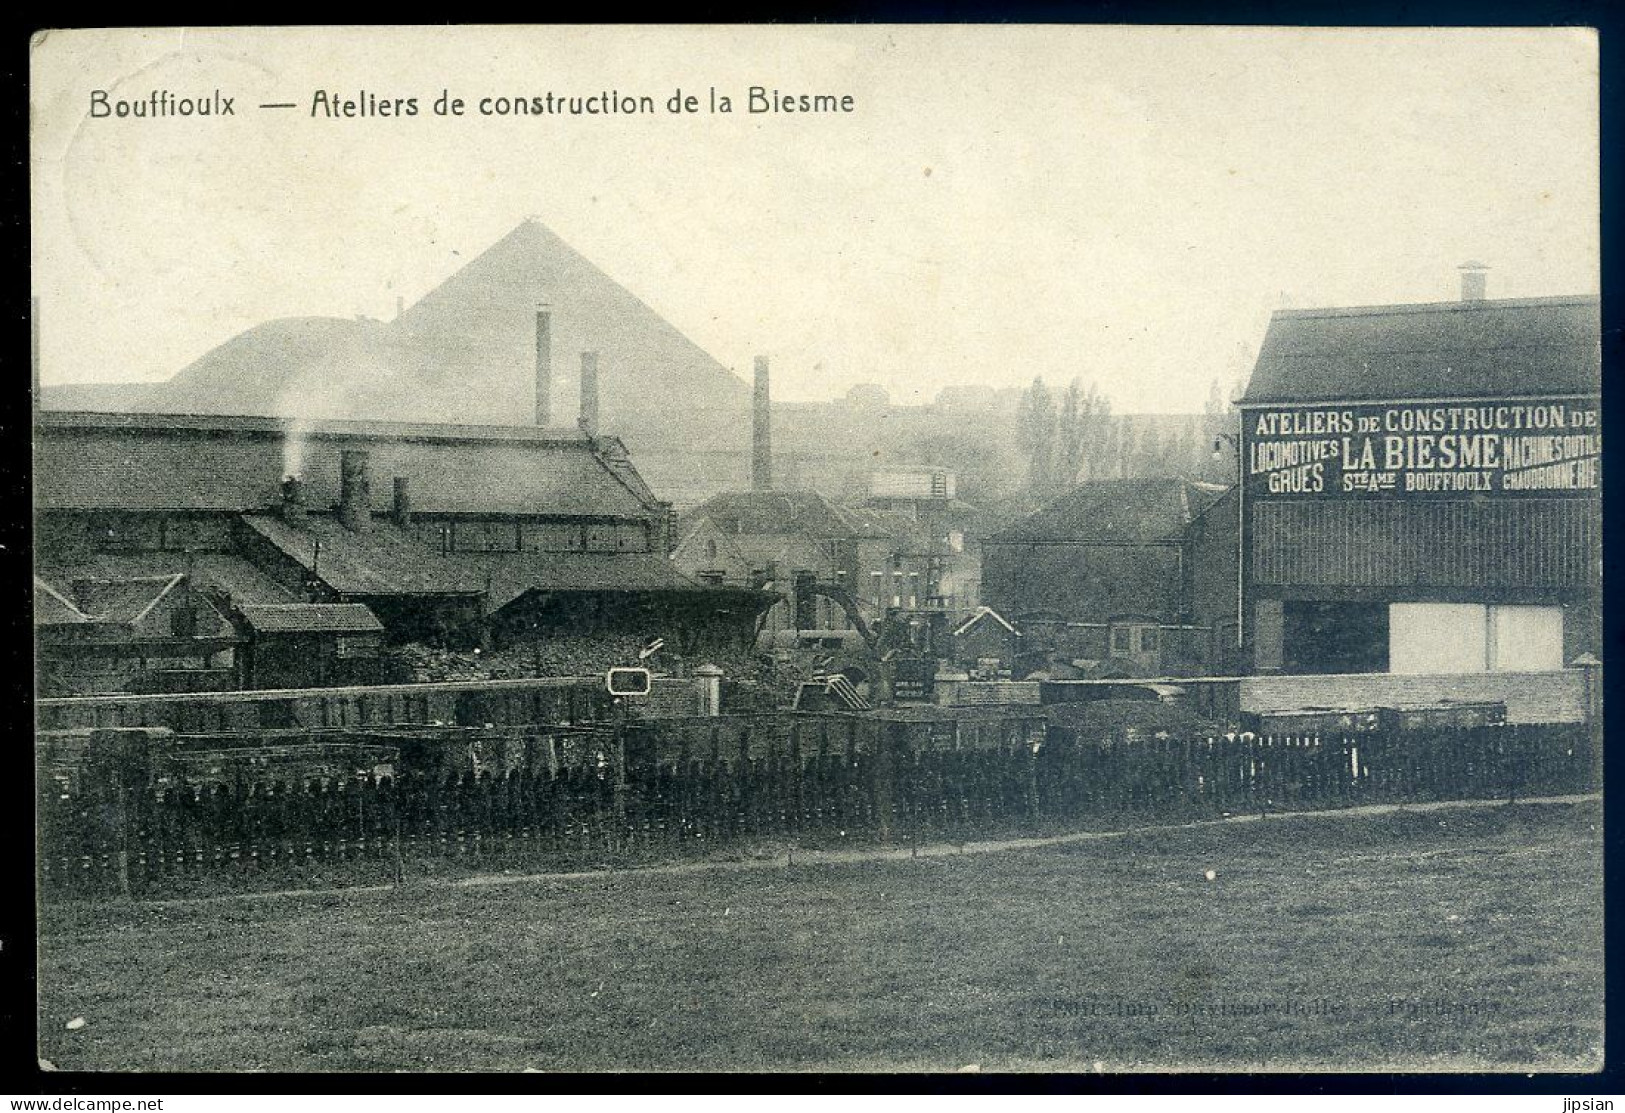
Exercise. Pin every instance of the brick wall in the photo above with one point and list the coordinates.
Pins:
(1530, 697)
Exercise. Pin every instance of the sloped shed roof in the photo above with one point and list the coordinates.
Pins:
(90, 461)
(1504, 348)
(1116, 510)
(382, 561)
(385, 561)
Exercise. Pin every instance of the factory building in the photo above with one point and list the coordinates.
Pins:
(1121, 578)
(317, 541)
(836, 569)
(928, 498)
(1422, 497)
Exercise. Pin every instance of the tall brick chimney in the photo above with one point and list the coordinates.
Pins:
(589, 393)
(355, 491)
(544, 368)
(761, 432)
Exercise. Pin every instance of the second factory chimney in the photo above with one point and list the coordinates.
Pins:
(544, 368)
(761, 433)
(589, 393)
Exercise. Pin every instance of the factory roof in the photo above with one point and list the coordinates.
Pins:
(223, 572)
(167, 462)
(388, 561)
(1523, 347)
(512, 575)
(115, 605)
(384, 560)
(319, 428)
(1124, 511)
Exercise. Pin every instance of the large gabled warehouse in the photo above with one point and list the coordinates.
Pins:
(1422, 492)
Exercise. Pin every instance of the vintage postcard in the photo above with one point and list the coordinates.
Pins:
(804, 548)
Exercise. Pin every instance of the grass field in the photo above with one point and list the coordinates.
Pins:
(1454, 939)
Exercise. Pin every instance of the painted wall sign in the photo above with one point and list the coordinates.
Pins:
(1451, 450)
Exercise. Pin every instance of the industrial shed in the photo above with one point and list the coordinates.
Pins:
(1134, 576)
(134, 632)
(299, 645)
(452, 535)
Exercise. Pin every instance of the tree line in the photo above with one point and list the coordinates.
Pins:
(1078, 438)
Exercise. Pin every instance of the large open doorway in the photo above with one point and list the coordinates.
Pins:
(1334, 637)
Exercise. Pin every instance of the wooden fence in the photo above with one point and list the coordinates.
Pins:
(469, 703)
(650, 792)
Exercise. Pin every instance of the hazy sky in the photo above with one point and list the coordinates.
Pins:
(1128, 205)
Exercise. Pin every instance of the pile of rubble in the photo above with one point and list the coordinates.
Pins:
(414, 663)
(563, 655)
(573, 655)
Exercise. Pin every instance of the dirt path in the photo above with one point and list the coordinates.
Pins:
(802, 857)
(806, 857)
